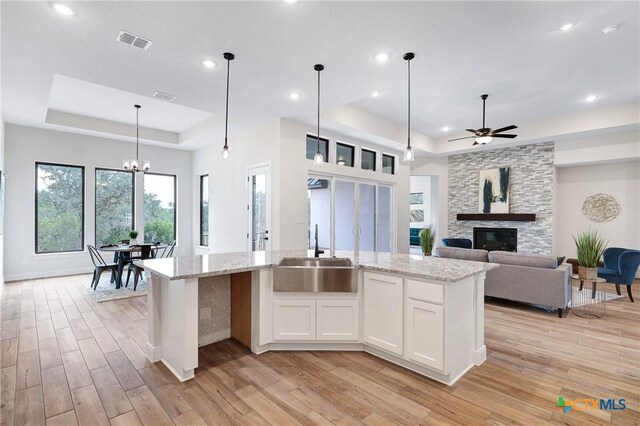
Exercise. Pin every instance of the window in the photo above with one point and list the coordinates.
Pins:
(204, 210)
(344, 154)
(59, 208)
(368, 159)
(114, 206)
(159, 208)
(312, 147)
(388, 164)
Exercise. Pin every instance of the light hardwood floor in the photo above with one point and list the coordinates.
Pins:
(66, 359)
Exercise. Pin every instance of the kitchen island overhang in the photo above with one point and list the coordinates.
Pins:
(423, 313)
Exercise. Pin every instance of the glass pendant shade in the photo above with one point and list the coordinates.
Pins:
(408, 154)
(225, 153)
(484, 139)
(134, 164)
(146, 166)
(126, 165)
(318, 158)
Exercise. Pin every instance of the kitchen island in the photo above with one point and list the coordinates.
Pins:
(423, 313)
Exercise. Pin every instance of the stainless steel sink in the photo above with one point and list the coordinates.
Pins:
(315, 275)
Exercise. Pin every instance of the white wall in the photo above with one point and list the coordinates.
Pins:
(26, 145)
(575, 184)
(609, 147)
(228, 193)
(5, 202)
(437, 169)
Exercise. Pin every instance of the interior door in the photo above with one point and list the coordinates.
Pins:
(259, 207)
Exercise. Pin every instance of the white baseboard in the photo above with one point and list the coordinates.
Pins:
(47, 274)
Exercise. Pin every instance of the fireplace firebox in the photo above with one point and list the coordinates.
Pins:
(504, 239)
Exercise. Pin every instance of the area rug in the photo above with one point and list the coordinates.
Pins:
(106, 290)
(599, 296)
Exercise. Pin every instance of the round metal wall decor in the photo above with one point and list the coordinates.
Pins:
(601, 208)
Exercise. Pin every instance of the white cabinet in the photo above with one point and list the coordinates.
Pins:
(425, 333)
(383, 312)
(294, 319)
(337, 319)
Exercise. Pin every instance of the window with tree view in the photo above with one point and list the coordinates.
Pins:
(114, 206)
(159, 208)
(204, 210)
(59, 208)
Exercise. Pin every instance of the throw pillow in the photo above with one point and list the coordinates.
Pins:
(560, 260)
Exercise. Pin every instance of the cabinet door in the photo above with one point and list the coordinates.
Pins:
(425, 334)
(383, 312)
(337, 319)
(294, 320)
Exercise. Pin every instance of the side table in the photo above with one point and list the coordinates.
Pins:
(587, 301)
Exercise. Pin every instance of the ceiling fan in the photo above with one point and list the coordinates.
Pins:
(485, 135)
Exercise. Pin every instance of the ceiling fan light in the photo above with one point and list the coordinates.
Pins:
(484, 139)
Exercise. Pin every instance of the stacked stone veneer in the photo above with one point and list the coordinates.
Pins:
(531, 190)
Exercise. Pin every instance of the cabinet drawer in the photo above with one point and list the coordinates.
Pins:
(427, 292)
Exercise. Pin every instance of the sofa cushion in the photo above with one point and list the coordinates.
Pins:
(523, 259)
(462, 253)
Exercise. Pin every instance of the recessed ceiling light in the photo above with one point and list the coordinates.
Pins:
(294, 96)
(208, 63)
(590, 98)
(609, 29)
(375, 94)
(290, 1)
(63, 9)
(382, 57)
(445, 129)
(566, 27)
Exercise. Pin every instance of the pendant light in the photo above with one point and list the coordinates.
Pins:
(225, 151)
(318, 158)
(134, 164)
(408, 152)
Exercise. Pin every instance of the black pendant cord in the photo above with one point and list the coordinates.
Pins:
(137, 134)
(226, 113)
(318, 68)
(408, 57)
(484, 100)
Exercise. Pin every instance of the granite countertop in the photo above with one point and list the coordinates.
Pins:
(432, 268)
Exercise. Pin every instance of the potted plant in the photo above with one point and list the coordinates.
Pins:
(133, 235)
(589, 247)
(427, 240)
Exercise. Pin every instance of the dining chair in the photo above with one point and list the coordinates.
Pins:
(168, 250)
(145, 253)
(100, 266)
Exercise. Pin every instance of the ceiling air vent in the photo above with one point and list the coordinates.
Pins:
(164, 96)
(134, 40)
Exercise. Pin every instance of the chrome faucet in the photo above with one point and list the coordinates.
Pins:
(317, 251)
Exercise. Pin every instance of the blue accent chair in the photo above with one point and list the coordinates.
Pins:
(414, 236)
(620, 267)
(457, 242)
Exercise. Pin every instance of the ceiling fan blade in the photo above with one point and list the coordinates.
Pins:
(472, 131)
(504, 129)
(504, 136)
(457, 139)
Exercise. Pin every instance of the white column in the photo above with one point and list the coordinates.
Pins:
(179, 325)
(480, 350)
(154, 335)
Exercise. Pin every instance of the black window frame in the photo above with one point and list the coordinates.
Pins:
(353, 153)
(201, 208)
(95, 198)
(393, 163)
(375, 159)
(82, 247)
(314, 139)
(175, 198)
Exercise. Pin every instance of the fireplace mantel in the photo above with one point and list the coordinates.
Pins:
(499, 217)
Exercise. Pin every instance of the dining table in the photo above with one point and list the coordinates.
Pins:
(122, 253)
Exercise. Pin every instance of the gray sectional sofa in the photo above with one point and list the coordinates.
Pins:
(528, 278)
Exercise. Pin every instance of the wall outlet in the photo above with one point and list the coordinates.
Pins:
(205, 313)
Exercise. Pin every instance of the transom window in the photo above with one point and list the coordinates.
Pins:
(312, 147)
(345, 154)
(368, 161)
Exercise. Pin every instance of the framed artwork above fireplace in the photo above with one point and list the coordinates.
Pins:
(493, 196)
